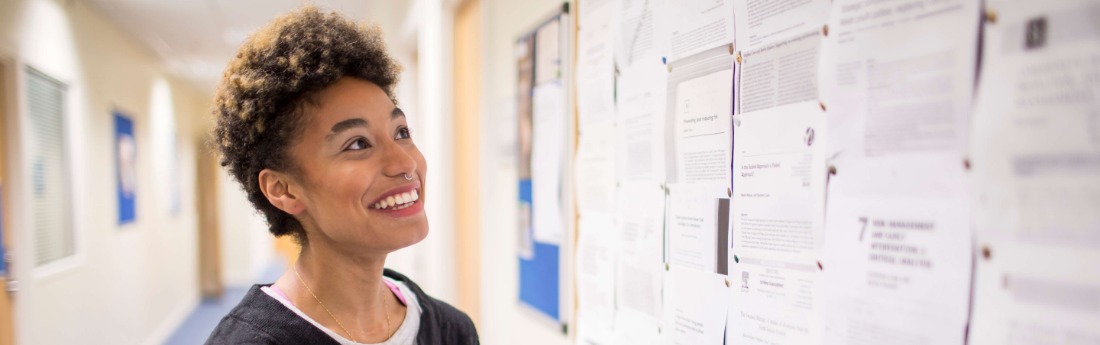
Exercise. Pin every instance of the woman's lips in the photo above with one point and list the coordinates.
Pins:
(401, 210)
(401, 201)
(397, 201)
(389, 198)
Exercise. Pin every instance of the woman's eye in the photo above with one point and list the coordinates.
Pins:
(358, 144)
(403, 133)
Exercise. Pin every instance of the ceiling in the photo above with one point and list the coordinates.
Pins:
(196, 39)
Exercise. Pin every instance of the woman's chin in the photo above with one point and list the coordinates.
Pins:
(411, 234)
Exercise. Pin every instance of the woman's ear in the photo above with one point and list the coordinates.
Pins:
(276, 187)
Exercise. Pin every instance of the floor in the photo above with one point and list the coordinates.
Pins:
(209, 312)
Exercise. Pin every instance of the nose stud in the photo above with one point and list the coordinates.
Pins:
(407, 177)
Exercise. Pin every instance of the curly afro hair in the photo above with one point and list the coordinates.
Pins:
(259, 104)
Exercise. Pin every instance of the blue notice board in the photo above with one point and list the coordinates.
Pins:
(542, 58)
(538, 271)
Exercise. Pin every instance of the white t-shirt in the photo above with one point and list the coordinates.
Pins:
(405, 334)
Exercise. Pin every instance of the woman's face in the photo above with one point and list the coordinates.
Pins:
(353, 157)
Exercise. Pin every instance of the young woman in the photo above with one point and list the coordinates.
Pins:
(308, 124)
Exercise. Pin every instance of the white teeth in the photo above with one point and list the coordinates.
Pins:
(398, 201)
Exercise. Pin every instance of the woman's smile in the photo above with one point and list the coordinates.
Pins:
(400, 202)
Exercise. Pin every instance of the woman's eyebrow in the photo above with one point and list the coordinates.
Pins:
(345, 125)
(397, 112)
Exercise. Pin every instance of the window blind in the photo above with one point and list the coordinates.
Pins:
(50, 176)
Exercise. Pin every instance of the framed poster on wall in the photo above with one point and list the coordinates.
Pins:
(126, 167)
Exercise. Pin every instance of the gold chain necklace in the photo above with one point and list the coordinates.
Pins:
(352, 338)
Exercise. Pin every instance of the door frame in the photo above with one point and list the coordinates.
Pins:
(9, 171)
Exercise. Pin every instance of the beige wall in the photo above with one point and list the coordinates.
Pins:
(503, 320)
(247, 246)
(127, 284)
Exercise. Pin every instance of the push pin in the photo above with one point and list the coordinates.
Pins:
(825, 30)
(738, 58)
(991, 16)
(821, 104)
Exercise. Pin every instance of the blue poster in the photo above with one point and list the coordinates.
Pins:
(126, 162)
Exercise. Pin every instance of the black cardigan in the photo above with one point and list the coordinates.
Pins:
(260, 319)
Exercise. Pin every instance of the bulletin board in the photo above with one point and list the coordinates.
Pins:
(545, 124)
(832, 172)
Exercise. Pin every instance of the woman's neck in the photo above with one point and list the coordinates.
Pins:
(345, 278)
(349, 286)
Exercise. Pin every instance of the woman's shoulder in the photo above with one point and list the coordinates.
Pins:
(441, 323)
(260, 319)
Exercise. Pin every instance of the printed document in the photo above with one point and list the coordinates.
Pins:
(1036, 174)
(778, 226)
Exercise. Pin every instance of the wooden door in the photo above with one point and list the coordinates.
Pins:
(210, 252)
(7, 324)
(467, 98)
